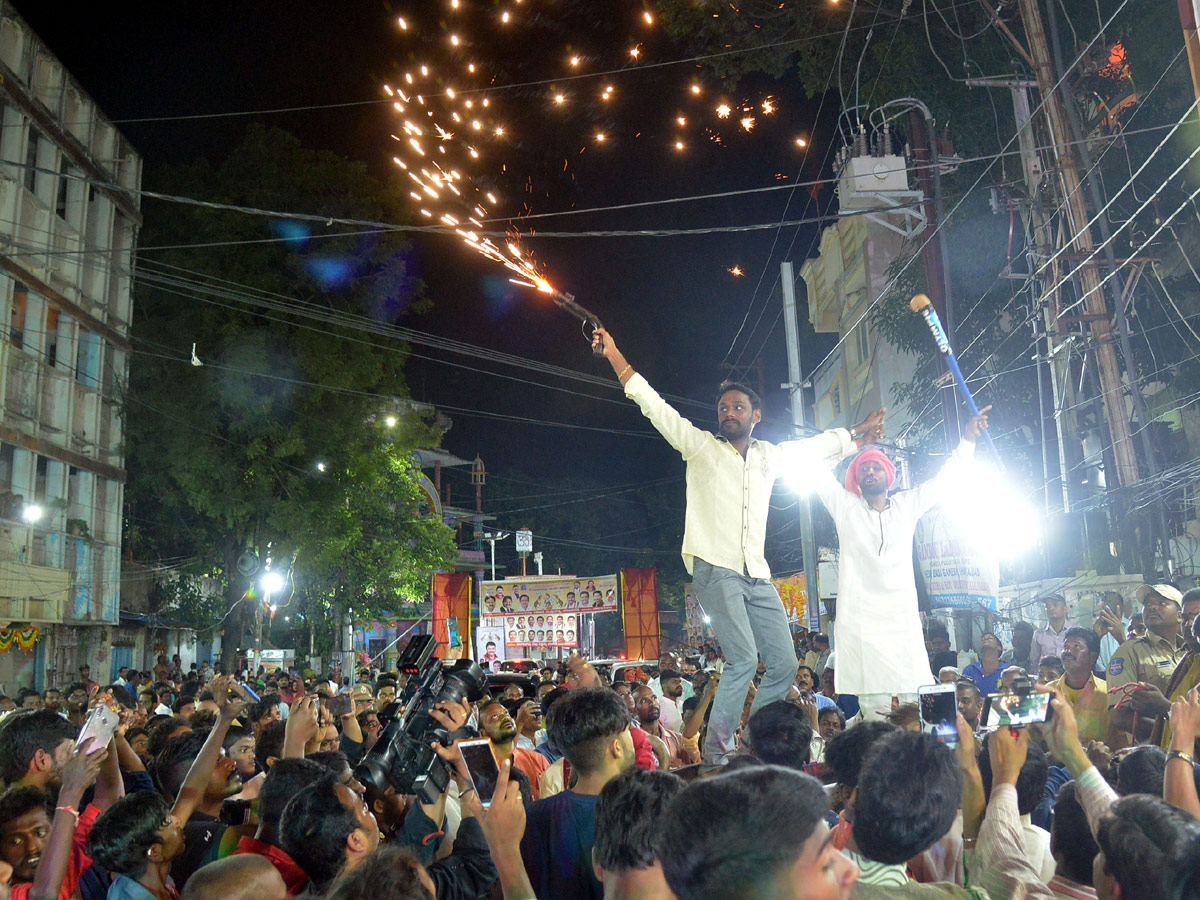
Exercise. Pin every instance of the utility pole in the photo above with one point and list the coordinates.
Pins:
(1053, 348)
(1095, 308)
(795, 389)
(1189, 12)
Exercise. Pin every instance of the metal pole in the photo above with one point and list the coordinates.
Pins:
(795, 389)
(1189, 12)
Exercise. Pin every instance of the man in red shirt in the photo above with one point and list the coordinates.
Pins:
(51, 855)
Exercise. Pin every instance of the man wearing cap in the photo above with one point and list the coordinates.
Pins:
(877, 634)
(729, 480)
(362, 697)
(1148, 661)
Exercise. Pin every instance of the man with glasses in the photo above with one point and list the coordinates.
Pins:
(1140, 670)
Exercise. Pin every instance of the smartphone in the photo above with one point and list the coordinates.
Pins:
(247, 692)
(1016, 710)
(250, 692)
(98, 728)
(338, 706)
(481, 765)
(938, 704)
(452, 632)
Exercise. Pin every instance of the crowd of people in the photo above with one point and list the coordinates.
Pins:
(763, 767)
(225, 788)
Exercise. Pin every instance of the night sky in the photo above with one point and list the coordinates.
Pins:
(670, 302)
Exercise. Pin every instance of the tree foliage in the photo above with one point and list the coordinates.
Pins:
(277, 443)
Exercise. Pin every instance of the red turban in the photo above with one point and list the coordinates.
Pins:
(871, 454)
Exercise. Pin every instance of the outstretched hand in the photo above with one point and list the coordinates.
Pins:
(977, 425)
(870, 429)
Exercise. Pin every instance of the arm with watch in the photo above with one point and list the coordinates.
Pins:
(423, 829)
(1179, 784)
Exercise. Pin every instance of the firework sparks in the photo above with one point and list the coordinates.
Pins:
(449, 133)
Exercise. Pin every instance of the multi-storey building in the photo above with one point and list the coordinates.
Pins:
(69, 216)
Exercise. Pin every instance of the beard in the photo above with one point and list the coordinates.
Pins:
(733, 430)
(503, 734)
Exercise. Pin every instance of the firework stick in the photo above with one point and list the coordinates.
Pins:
(922, 305)
(567, 302)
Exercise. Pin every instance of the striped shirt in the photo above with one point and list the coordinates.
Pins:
(894, 874)
(1065, 889)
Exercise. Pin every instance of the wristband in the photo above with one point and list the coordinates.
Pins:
(1179, 754)
(621, 374)
(68, 809)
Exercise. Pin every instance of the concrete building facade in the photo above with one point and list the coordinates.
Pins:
(846, 278)
(69, 217)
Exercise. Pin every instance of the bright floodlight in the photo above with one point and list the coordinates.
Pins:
(272, 582)
(320, 467)
(390, 421)
(31, 513)
(989, 512)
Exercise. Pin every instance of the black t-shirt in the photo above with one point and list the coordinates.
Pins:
(557, 846)
(202, 843)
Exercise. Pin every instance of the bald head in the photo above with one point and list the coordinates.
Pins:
(246, 876)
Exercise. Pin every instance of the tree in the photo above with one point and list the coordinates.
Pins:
(278, 442)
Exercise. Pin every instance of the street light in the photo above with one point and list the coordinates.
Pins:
(32, 513)
(271, 582)
(390, 421)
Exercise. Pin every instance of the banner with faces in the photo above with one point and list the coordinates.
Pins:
(543, 612)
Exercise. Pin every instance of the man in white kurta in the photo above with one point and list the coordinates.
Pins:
(729, 480)
(877, 634)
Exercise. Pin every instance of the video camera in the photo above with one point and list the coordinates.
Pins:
(402, 756)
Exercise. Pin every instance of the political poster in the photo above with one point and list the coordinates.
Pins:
(490, 647)
(544, 612)
(958, 574)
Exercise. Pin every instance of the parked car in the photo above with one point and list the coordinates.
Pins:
(615, 670)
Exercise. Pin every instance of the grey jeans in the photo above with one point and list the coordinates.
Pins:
(747, 617)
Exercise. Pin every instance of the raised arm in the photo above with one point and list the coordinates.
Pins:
(811, 457)
(78, 774)
(679, 432)
(191, 792)
(1179, 785)
(932, 491)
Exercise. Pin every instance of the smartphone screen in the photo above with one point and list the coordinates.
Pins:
(1016, 710)
(481, 764)
(98, 729)
(939, 712)
(338, 706)
(452, 630)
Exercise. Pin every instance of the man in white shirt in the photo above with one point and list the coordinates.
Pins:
(880, 644)
(729, 481)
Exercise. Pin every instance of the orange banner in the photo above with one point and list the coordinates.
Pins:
(639, 613)
(451, 594)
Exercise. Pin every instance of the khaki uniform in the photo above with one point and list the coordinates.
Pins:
(1150, 660)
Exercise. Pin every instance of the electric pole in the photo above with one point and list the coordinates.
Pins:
(1095, 308)
(795, 389)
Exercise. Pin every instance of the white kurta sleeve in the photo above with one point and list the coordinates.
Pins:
(928, 495)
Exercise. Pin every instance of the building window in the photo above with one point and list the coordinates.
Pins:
(864, 344)
(60, 203)
(51, 334)
(16, 314)
(835, 397)
(31, 155)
